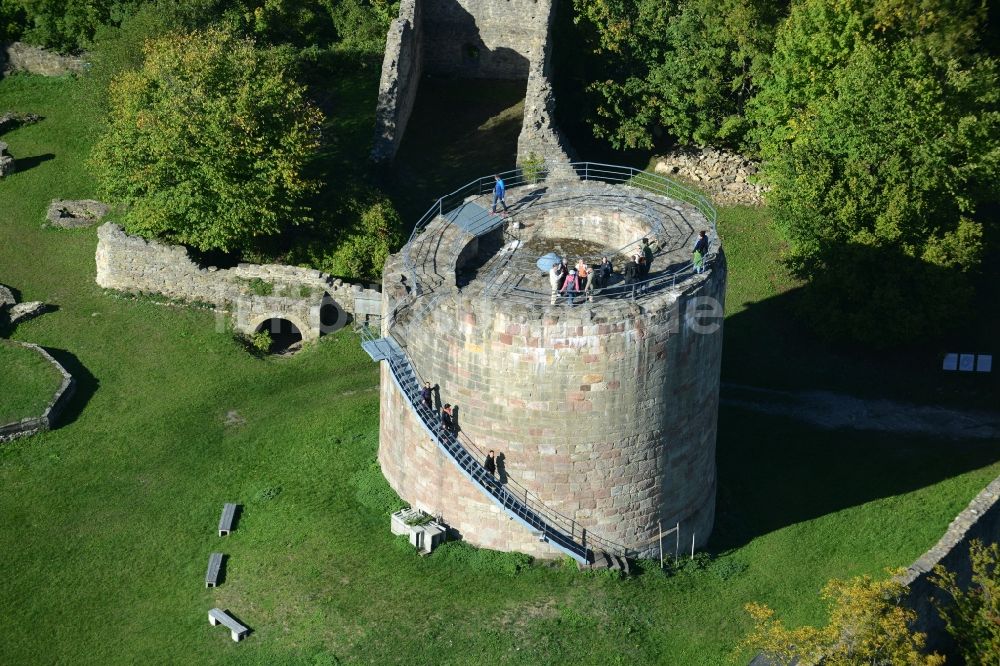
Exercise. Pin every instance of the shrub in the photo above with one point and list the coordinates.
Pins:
(207, 142)
(261, 342)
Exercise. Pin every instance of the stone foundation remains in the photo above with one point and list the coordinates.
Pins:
(47, 420)
(311, 300)
(70, 214)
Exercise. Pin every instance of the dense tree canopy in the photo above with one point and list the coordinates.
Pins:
(207, 142)
(685, 67)
(881, 141)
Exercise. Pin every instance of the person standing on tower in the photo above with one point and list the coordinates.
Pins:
(499, 191)
(700, 252)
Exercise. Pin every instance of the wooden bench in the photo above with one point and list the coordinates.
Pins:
(214, 565)
(219, 616)
(226, 522)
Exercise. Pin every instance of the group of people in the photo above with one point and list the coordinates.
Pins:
(447, 422)
(584, 279)
(450, 427)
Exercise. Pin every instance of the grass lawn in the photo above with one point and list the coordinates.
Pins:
(107, 522)
(27, 382)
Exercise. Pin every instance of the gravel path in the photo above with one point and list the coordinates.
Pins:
(835, 410)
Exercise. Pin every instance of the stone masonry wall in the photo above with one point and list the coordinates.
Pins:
(540, 138)
(472, 39)
(21, 57)
(980, 520)
(609, 418)
(133, 264)
(52, 411)
(483, 39)
(402, 67)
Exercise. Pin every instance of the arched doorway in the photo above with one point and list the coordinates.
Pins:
(285, 336)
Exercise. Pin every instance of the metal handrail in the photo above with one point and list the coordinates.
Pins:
(512, 496)
(587, 171)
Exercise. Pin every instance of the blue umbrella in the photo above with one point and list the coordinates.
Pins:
(546, 263)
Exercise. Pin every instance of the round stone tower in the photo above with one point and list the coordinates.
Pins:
(603, 410)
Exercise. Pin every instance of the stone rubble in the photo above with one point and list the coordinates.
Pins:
(24, 311)
(727, 177)
(6, 160)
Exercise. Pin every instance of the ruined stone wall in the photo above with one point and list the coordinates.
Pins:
(483, 39)
(980, 520)
(402, 67)
(21, 57)
(133, 264)
(540, 138)
(472, 39)
(608, 416)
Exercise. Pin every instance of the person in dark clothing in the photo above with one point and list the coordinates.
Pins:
(603, 273)
(647, 254)
(491, 464)
(447, 419)
(700, 252)
(425, 396)
(631, 273)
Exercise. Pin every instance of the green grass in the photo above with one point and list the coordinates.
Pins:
(28, 382)
(108, 521)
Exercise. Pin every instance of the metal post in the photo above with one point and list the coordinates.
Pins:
(692, 544)
(659, 532)
(677, 546)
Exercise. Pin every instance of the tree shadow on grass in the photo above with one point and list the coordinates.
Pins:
(86, 385)
(26, 163)
(774, 472)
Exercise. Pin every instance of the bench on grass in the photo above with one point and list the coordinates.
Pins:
(226, 522)
(219, 616)
(212, 575)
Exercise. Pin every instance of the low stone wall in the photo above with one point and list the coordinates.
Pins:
(402, 67)
(540, 138)
(302, 296)
(980, 520)
(725, 176)
(57, 404)
(21, 57)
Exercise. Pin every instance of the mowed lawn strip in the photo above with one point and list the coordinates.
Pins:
(107, 522)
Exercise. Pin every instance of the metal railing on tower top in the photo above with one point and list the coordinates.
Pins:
(585, 171)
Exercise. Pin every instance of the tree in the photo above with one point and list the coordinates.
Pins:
(682, 67)
(867, 626)
(973, 617)
(358, 250)
(881, 140)
(207, 141)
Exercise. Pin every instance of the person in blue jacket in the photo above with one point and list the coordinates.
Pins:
(499, 190)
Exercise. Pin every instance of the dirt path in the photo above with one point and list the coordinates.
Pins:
(835, 410)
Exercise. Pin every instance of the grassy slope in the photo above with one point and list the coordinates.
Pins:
(28, 382)
(106, 523)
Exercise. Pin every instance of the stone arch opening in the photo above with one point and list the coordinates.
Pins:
(331, 316)
(285, 336)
